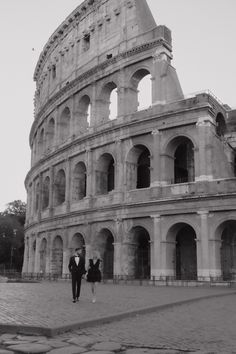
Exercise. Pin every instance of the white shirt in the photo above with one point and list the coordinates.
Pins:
(77, 260)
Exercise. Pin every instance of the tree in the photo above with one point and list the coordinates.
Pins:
(12, 221)
(17, 208)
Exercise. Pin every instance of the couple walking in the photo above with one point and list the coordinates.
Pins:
(77, 269)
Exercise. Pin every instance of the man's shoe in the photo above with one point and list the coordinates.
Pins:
(74, 300)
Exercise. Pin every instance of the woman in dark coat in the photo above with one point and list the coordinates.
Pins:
(94, 274)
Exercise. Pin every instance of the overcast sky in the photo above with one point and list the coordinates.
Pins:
(204, 49)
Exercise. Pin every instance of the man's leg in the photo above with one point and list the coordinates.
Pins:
(73, 287)
(78, 283)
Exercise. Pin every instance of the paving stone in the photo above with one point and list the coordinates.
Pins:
(99, 352)
(68, 350)
(14, 342)
(7, 336)
(31, 338)
(82, 340)
(30, 348)
(54, 343)
(5, 351)
(110, 346)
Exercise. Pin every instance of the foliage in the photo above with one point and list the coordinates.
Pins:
(17, 208)
(12, 235)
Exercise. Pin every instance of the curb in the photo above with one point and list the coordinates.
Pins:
(53, 331)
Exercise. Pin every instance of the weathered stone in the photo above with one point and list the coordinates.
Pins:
(32, 348)
(5, 351)
(68, 350)
(81, 340)
(107, 346)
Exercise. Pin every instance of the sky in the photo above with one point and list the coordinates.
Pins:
(204, 50)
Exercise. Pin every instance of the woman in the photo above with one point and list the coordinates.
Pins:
(94, 274)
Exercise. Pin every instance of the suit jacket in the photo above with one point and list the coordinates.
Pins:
(77, 269)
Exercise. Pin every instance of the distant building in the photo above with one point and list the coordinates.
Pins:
(152, 189)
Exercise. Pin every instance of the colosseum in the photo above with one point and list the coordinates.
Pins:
(123, 162)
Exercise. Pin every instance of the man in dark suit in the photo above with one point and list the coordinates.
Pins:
(77, 269)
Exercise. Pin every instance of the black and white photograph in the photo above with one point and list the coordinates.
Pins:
(118, 177)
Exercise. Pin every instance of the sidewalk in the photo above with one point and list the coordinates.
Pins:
(46, 308)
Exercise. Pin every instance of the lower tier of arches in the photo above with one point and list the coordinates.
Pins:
(194, 247)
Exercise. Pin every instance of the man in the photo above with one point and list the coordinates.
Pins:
(77, 269)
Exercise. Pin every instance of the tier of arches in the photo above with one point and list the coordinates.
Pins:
(134, 257)
(75, 118)
(138, 167)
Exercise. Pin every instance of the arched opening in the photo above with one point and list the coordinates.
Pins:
(84, 112)
(79, 182)
(180, 160)
(220, 125)
(105, 175)
(43, 250)
(50, 133)
(60, 188)
(228, 250)
(145, 92)
(105, 247)
(138, 168)
(64, 125)
(113, 108)
(45, 197)
(108, 102)
(186, 254)
(138, 260)
(57, 256)
(78, 242)
(181, 252)
(141, 90)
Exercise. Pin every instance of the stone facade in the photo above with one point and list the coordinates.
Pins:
(153, 190)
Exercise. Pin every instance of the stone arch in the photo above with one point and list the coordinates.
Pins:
(57, 256)
(180, 160)
(42, 256)
(225, 252)
(220, 125)
(104, 245)
(105, 174)
(107, 92)
(64, 124)
(79, 181)
(60, 188)
(50, 134)
(78, 242)
(181, 251)
(46, 193)
(85, 106)
(142, 95)
(137, 258)
(138, 168)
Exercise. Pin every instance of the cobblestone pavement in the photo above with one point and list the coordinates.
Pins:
(205, 326)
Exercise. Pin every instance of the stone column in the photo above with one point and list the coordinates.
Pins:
(37, 255)
(215, 258)
(68, 185)
(156, 256)
(48, 254)
(31, 254)
(117, 259)
(66, 255)
(40, 196)
(203, 163)
(203, 247)
(119, 170)
(156, 161)
(51, 192)
(26, 255)
(90, 179)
